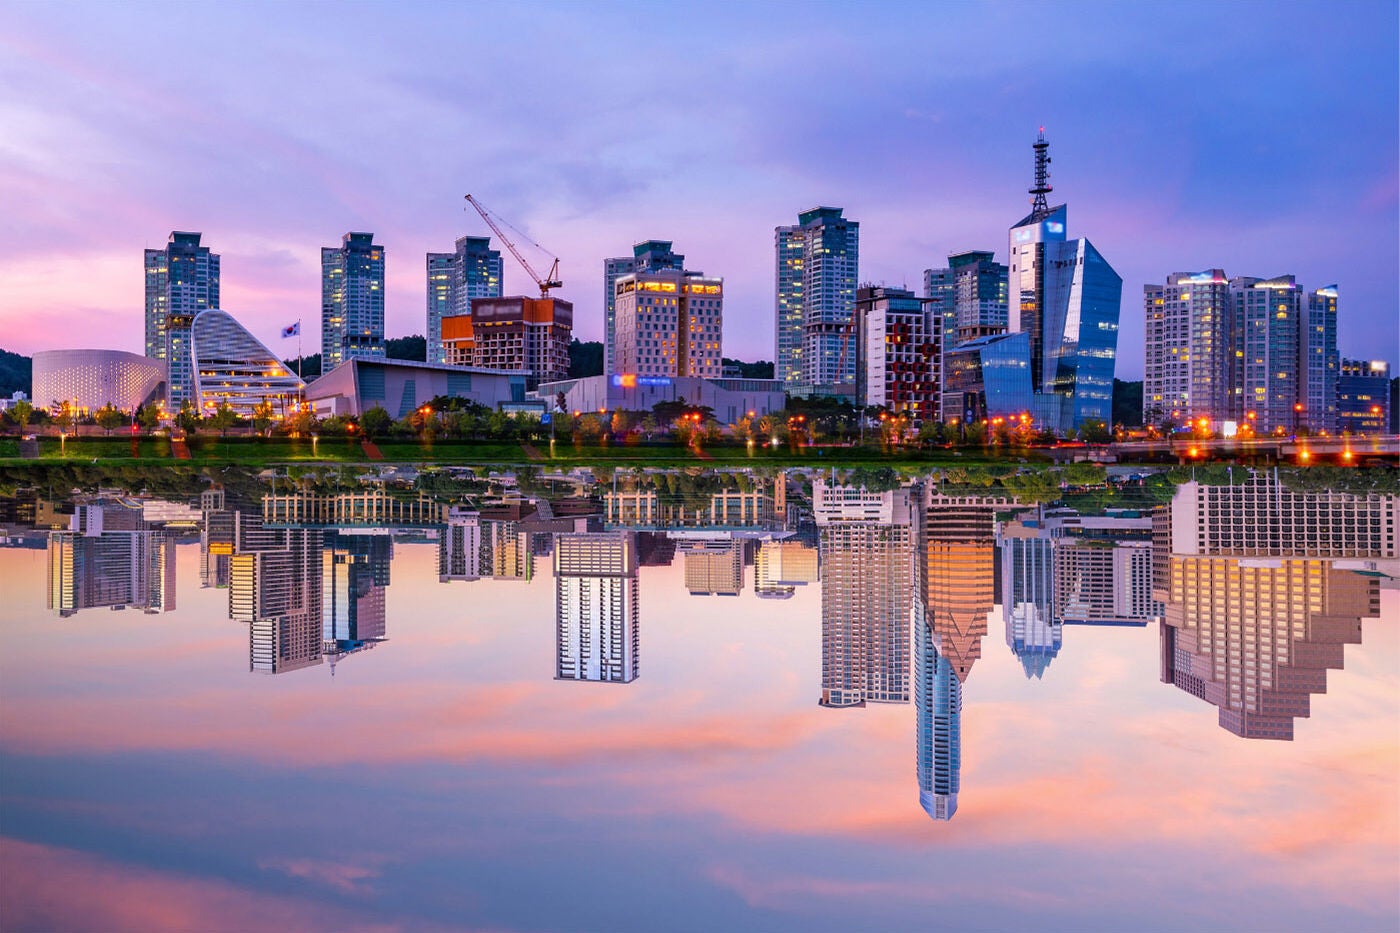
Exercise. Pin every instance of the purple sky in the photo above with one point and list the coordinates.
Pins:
(1257, 139)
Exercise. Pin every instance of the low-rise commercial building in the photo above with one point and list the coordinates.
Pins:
(400, 386)
(730, 399)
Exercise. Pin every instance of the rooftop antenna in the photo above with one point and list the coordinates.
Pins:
(1039, 207)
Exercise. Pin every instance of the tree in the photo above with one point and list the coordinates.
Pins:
(109, 418)
(22, 411)
(66, 418)
(374, 422)
(1095, 431)
(148, 416)
(224, 417)
(188, 417)
(262, 416)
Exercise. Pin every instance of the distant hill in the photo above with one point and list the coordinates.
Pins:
(760, 370)
(16, 374)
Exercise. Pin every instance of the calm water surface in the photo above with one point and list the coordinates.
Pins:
(435, 772)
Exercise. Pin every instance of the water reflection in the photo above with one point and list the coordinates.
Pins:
(1255, 588)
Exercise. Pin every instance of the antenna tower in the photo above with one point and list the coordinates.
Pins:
(1039, 207)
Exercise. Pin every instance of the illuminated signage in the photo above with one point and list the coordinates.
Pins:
(1055, 226)
(632, 380)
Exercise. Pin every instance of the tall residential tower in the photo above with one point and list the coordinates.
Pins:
(822, 295)
(474, 270)
(181, 281)
(352, 300)
(647, 256)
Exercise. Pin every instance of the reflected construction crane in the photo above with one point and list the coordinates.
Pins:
(549, 281)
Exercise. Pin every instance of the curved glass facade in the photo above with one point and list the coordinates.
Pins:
(231, 365)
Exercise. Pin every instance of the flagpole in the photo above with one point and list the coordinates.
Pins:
(301, 390)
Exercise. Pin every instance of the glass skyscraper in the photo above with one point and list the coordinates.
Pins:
(181, 281)
(352, 300)
(474, 270)
(825, 291)
(1066, 297)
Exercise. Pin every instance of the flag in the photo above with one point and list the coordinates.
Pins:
(291, 330)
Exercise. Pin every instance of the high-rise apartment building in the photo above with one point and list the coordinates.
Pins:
(1065, 296)
(1319, 365)
(970, 294)
(473, 270)
(529, 335)
(1098, 581)
(354, 576)
(1363, 397)
(275, 585)
(866, 545)
(1267, 316)
(459, 546)
(1189, 351)
(826, 294)
(647, 256)
(597, 628)
(352, 300)
(900, 344)
(782, 566)
(713, 567)
(669, 324)
(788, 332)
(181, 281)
(110, 558)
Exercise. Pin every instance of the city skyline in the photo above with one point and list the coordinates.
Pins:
(1159, 187)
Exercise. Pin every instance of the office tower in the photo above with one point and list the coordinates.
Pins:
(1189, 358)
(1264, 518)
(597, 627)
(109, 558)
(668, 323)
(473, 270)
(866, 545)
(1319, 363)
(459, 547)
(788, 332)
(647, 256)
(529, 335)
(956, 564)
(1033, 631)
(941, 290)
(1363, 397)
(1256, 638)
(900, 341)
(938, 702)
(354, 576)
(181, 281)
(1100, 582)
(825, 293)
(713, 567)
(352, 300)
(1065, 296)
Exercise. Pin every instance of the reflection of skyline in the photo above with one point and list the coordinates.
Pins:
(1033, 632)
(355, 573)
(1255, 638)
(959, 574)
(596, 590)
(938, 703)
(110, 558)
(865, 550)
(782, 566)
(275, 585)
(1264, 587)
(713, 567)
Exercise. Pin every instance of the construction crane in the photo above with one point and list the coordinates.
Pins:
(549, 281)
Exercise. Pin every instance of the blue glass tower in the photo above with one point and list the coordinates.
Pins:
(1065, 296)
